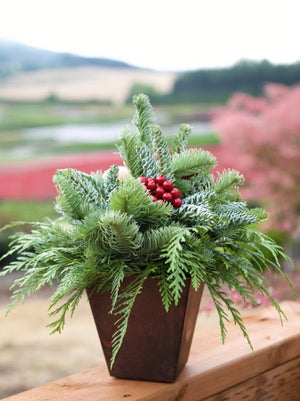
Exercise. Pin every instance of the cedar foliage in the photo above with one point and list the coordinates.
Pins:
(110, 229)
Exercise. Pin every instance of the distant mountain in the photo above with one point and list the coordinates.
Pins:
(16, 57)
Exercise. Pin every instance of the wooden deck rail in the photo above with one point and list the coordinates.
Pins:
(214, 372)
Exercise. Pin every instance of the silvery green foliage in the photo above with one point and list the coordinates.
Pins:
(111, 229)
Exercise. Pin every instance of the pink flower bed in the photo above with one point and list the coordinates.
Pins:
(33, 180)
(261, 137)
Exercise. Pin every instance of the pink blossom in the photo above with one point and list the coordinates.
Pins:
(261, 139)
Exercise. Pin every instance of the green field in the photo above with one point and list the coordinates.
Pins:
(15, 117)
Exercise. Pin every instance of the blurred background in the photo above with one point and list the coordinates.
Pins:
(68, 71)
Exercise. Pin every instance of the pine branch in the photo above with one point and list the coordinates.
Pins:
(110, 180)
(78, 193)
(119, 234)
(228, 181)
(199, 198)
(181, 139)
(131, 141)
(191, 162)
(154, 240)
(195, 214)
(144, 118)
(237, 213)
(162, 152)
(149, 166)
(132, 198)
(202, 182)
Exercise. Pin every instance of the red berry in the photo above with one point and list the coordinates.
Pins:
(167, 197)
(151, 184)
(155, 198)
(160, 179)
(159, 191)
(177, 202)
(143, 180)
(176, 193)
(168, 185)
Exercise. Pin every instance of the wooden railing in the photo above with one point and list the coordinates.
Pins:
(214, 372)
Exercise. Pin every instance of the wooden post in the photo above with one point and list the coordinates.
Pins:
(214, 372)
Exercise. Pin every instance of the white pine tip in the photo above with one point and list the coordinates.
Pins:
(123, 173)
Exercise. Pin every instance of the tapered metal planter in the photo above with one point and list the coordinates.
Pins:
(157, 343)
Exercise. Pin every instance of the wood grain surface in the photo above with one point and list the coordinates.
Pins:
(214, 372)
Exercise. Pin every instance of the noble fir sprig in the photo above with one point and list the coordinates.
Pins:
(169, 219)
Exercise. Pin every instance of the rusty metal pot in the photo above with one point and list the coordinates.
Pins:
(157, 343)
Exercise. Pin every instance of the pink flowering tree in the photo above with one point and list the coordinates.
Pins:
(261, 139)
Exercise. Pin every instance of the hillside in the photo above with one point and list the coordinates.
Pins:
(30, 74)
(16, 57)
(82, 83)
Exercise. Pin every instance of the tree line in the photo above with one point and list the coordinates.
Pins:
(218, 84)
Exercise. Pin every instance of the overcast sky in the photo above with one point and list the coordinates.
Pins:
(159, 34)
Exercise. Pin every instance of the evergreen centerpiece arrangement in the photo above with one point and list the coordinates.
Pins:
(167, 218)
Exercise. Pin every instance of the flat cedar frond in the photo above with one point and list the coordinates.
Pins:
(117, 277)
(270, 254)
(123, 308)
(77, 277)
(191, 162)
(222, 299)
(164, 289)
(68, 306)
(196, 265)
(130, 139)
(173, 253)
(172, 250)
(144, 118)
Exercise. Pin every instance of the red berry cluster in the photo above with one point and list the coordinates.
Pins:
(162, 189)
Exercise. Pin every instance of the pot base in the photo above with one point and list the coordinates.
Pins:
(157, 343)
